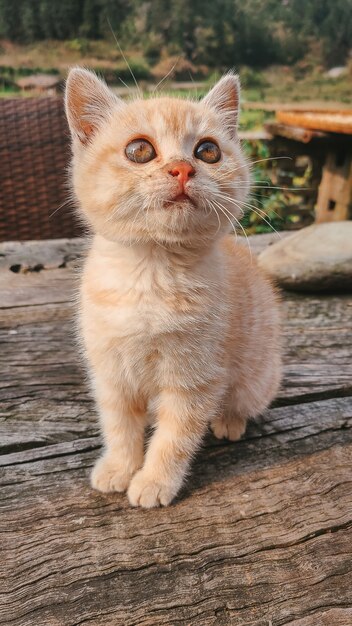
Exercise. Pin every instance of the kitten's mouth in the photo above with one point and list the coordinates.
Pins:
(180, 198)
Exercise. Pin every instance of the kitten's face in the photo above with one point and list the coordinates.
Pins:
(161, 169)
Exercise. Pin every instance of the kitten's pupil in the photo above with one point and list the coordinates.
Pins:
(140, 151)
(208, 152)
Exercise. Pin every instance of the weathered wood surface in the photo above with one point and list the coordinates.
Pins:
(261, 534)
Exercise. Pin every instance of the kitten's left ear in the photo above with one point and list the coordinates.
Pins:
(224, 98)
(88, 103)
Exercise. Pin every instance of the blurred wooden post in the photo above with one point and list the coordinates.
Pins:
(335, 190)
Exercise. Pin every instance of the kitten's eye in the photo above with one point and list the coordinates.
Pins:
(140, 151)
(208, 151)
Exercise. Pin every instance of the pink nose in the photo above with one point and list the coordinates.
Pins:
(183, 171)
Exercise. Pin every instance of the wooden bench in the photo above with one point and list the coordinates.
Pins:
(261, 534)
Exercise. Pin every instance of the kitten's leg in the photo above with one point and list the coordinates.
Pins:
(230, 427)
(182, 420)
(230, 422)
(247, 400)
(122, 420)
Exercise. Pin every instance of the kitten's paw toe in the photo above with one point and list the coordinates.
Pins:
(146, 492)
(231, 429)
(107, 476)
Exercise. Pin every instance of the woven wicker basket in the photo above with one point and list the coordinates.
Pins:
(34, 154)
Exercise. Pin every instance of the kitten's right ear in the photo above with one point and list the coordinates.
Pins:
(224, 98)
(88, 103)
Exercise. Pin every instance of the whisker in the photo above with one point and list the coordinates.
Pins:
(252, 208)
(226, 214)
(275, 158)
(60, 207)
(192, 80)
(255, 210)
(280, 188)
(263, 186)
(124, 58)
(267, 222)
(123, 82)
(250, 163)
(166, 75)
(262, 211)
(257, 198)
(243, 230)
(217, 215)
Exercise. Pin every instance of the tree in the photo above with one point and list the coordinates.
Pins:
(218, 33)
(10, 24)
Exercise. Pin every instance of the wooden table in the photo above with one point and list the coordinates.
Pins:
(261, 535)
(328, 133)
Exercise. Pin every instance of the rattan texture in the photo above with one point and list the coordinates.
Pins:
(34, 156)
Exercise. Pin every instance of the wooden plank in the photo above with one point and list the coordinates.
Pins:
(320, 106)
(261, 533)
(294, 132)
(34, 288)
(85, 557)
(44, 384)
(293, 424)
(335, 190)
(332, 121)
(254, 135)
(48, 255)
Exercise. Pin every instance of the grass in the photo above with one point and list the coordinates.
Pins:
(303, 82)
(286, 86)
(59, 54)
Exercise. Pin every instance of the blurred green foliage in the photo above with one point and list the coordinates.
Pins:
(272, 205)
(121, 71)
(217, 33)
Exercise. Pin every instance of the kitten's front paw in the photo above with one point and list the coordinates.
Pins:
(231, 429)
(108, 475)
(147, 492)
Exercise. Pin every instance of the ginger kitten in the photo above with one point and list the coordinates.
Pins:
(179, 325)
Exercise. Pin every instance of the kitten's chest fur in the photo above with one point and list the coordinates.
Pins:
(148, 294)
(152, 314)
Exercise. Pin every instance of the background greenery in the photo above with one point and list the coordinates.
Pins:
(217, 33)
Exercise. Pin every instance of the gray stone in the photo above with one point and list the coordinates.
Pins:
(317, 258)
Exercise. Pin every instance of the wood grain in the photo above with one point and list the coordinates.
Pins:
(261, 533)
(332, 121)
